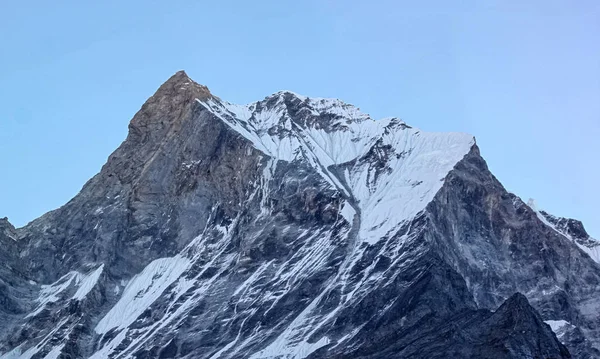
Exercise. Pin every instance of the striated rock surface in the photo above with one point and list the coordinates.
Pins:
(294, 227)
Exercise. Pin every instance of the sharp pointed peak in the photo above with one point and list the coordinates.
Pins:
(180, 81)
(166, 107)
(181, 73)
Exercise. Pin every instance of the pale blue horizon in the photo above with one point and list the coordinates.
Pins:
(524, 79)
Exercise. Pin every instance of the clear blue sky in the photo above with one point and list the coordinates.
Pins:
(523, 78)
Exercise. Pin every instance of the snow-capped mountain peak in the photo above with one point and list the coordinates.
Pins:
(292, 227)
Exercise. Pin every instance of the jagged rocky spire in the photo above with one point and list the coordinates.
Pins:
(167, 107)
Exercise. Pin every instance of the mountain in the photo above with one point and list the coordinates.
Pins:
(294, 227)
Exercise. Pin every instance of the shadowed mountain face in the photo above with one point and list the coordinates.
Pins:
(294, 227)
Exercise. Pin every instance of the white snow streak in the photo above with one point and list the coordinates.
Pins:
(55, 352)
(51, 293)
(87, 283)
(142, 291)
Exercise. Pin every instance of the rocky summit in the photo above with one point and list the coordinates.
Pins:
(295, 227)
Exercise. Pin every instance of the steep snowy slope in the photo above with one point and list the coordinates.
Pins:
(294, 227)
(388, 170)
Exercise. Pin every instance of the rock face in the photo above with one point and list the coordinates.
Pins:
(294, 227)
(13, 282)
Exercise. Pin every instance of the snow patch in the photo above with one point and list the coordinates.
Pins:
(50, 293)
(556, 325)
(348, 212)
(87, 283)
(142, 291)
(55, 352)
(280, 349)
